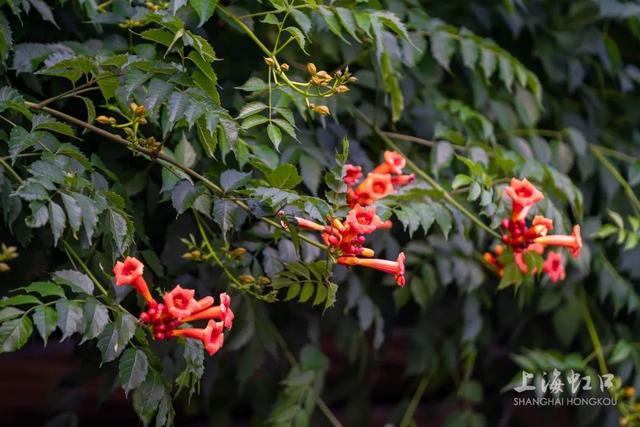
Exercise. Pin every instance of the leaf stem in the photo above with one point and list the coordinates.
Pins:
(593, 333)
(431, 181)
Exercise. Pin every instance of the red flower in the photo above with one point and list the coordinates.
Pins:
(128, 271)
(309, 225)
(541, 225)
(553, 267)
(213, 338)
(376, 186)
(393, 163)
(400, 180)
(393, 267)
(352, 174)
(524, 195)
(180, 302)
(363, 220)
(573, 242)
(221, 312)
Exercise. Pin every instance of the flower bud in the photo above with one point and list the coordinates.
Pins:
(323, 110)
(144, 317)
(342, 89)
(103, 120)
(629, 391)
(285, 67)
(247, 278)
(367, 252)
(142, 121)
(269, 61)
(323, 75)
(311, 68)
(263, 280)
(159, 336)
(238, 252)
(128, 131)
(140, 110)
(4, 267)
(338, 74)
(353, 79)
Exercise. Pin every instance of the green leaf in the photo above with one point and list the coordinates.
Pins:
(78, 282)
(96, 317)
(307, 292)
(69, 317)
(232, 179)
(19, 300)
(332, 22)
(45, 289)
(204, 9)
(250, 109)
(74, 213)
(252, 121)
(442, 48)
(133, 367)
(15, 333)
(443, 218)
(223, 214)
(8, 313)
(58, 221)
(115, 336)
(284, 177)
(254, 84)
(45, 319)
(274, 135)
(158, 35)
(298, 36)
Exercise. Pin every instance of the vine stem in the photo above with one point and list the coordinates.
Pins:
(431, 181)
(154, 155)
(593, 333)
(628, 190)
(73, 255)
(415, 400)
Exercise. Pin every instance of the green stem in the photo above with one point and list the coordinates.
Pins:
(415, 400)
(73, 255)
(426, 177)
(244, 28)
(626, 187)
(10, 170)
(593, 333)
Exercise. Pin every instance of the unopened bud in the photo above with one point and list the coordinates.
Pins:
(338, 73)
(367, 252)
(129, 131)
(323, 75)
(140, 111)
(630, 391)
(311, 68)
(285, 67)
(133, 106)
(103, 120)
(323, 110)
(238, 252)
(4, 267)
(263, 280)
(142, 121)
(247, 278)
(353, 79)
(342, 89)
(269, 61)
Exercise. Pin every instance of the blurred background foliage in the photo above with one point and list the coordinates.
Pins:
(474, 92)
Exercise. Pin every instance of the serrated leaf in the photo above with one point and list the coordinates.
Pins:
(133, 367)
(284, 177)
(74, 213)
(70, 319)
(8, 313)
(96, 317)
(204, 9)
(254, 84)
(223, 211)
(78, 282)
(274, 135)
(232, 179)
(15, 333)
(58, 221)
(442, 48)
(45, 289)
(45, 319)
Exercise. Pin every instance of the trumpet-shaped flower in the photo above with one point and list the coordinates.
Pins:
(130, 272)
(553, 267)
(392, 267)
(523, 195)
(363, 220)
(352, 174)
(393, 163)
(572, 242)
(180, 302)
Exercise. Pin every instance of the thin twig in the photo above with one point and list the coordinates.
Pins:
(415, 400)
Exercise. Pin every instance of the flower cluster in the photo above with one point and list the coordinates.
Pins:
(379, 183)
(522, 238)
(177, 308)
(346, 238)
